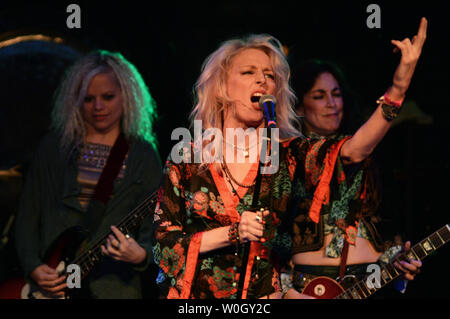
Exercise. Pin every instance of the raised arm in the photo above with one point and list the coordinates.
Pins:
(361, 145)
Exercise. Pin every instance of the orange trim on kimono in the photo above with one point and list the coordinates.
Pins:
(287, 142)
(229, 200)
(255, 248)
(191, 265)
(322, 192)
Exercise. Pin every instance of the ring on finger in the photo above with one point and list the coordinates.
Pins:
(258, 218)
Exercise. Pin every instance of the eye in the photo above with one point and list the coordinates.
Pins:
(247, 72)
(270, 76)
(88, 99)
(337, 94)
(108, 97)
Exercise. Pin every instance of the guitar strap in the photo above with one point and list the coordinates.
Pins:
(343, 260)
(105, 184)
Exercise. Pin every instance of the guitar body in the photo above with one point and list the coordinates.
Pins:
(323, 288)
(58, 256)
(71, 248)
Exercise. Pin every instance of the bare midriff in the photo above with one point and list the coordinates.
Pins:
(360, 253)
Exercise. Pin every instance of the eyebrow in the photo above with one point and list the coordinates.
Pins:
(321, 90)
(254, 67)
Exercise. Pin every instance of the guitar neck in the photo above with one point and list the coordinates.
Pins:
(131, 222)
(362, 289)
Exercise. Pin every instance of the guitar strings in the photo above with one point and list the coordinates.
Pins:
(444, 237)
(143, 207)
(126, 222)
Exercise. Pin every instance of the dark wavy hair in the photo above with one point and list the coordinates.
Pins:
(304, 76)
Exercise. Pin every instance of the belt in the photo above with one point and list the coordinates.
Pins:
(359, 270)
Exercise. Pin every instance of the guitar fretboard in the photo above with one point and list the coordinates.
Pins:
(389, 272)
(88, 259)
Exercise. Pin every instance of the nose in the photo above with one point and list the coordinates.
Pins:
(260, 78)
(331, 102)
(98, 104)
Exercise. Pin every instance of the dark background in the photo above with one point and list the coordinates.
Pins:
(168, 41)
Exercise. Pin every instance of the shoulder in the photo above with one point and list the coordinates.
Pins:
(49, 141)
(296, 143)
(49, 147)
(144, 160)
(144, 149)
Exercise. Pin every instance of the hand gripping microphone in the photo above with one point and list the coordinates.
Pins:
(267, 103)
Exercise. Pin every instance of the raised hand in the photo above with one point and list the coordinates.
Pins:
(411, 51)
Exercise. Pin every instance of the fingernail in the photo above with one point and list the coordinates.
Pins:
(263, 240)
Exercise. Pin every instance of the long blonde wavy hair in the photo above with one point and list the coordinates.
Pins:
(210, 89)
(139, 108)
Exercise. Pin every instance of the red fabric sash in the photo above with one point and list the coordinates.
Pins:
(322, 193)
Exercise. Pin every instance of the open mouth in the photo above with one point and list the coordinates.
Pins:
(255, 97)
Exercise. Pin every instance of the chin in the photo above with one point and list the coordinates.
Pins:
(255, 123)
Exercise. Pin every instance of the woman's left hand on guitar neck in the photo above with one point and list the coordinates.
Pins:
(123, 248)
(410, 269)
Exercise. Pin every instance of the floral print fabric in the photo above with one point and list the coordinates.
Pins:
(194, 199)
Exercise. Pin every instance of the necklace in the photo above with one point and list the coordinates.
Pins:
(228, 176)
(242, 149)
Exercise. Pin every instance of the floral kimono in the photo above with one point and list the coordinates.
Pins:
(194, 199)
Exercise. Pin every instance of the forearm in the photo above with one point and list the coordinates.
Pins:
(214, 239)
(362, 144)
(370, 134)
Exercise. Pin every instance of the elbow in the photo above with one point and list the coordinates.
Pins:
(355, 157)
(352, 153)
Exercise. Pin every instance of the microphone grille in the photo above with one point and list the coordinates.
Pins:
(267, 98)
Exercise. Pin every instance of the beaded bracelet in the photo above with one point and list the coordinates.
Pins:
(233, 235)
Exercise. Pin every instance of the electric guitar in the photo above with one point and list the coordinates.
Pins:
(63, 252)
(327, 288)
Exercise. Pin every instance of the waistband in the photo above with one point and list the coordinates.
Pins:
(359, 270)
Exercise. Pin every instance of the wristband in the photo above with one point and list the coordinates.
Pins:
(389, 110)
(391, 102)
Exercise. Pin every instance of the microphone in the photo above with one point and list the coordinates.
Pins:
(267, 103)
